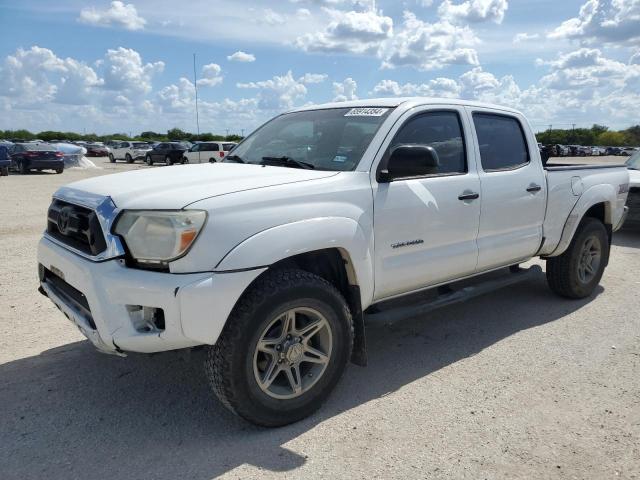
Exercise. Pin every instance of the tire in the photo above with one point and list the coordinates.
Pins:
(212, 160)
(184, 160)
(148, 160)
(232, 363)
(22, 168)
(59, 170)
(4, 171)
(565, 274)
(128, 158)
(168, 160)
(112, 159)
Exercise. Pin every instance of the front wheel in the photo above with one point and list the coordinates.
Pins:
(148, 160)
(22, 167)
(168, 160)
(4, 171)
(128, 158)
(283, 348)
(577, 272)
(59, 170)
(112, 159)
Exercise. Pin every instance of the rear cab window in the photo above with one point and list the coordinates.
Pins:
(502, 142)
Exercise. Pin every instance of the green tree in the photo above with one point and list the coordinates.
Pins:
(611, 139)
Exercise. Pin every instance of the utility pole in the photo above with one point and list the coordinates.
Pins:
(227, 132)
(195, 85)
(242, 133)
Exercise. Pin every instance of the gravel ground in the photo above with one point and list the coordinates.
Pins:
(514, 384)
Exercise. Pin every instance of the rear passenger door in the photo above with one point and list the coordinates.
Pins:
(513, 197)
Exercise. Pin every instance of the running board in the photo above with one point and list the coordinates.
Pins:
(449, 295)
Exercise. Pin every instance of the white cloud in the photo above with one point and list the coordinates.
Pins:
(124, 71)
(352, 32)
(278, 93)
(303, 13)
(609, 21)
(309, 78)
(472, 11)
(635, 58)
(525, 37)
(438, 87)
(211, 75)
(270, 17)
(345, 90)
(429, 46)
(241, 56)
(118, 14)
(36, 75)
(175, 98)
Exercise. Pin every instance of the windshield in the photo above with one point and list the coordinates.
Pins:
(332, 139)
(140, 145)
(634, 161)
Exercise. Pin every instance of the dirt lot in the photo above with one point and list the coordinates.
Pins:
(515, 384)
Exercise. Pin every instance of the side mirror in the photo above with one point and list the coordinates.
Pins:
(409, 161)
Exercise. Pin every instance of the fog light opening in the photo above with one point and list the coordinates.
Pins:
(146, 319)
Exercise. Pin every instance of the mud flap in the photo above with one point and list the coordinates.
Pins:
(359, 352)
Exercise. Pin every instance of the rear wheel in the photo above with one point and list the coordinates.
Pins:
(185, 160)
(283, 348)
(4, 171)
(112, 159)
(148, 160)
(59, 170)
(577, 272)
(168, 160)
(128, 158)
(22, 168)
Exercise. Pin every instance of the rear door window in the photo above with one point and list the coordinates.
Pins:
(502, 142)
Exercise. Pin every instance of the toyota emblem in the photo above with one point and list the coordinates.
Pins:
(64, 219)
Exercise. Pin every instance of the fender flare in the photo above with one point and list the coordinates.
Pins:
(284, 241)
(597, 194)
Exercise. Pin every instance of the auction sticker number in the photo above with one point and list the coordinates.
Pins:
(366, 112)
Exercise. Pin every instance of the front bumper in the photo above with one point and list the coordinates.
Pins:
(195, 306)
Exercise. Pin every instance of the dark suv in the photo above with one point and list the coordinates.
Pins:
(167, 152)
(5, 160)
(36, 156)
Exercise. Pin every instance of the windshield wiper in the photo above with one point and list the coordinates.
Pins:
(287, 162)
(234, 158)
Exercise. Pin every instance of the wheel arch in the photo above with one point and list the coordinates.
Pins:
(597, 202)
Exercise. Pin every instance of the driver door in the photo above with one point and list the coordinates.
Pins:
(426, 226)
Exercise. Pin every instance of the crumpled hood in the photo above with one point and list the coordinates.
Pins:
(634, 178)
(176, 187)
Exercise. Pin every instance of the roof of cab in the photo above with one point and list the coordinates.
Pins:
(397, 101)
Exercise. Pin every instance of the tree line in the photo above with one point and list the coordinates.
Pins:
(173, 134)
(597, 135)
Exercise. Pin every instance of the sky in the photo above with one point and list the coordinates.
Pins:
(113, 66)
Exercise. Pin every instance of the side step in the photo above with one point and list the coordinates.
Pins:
(415, 304)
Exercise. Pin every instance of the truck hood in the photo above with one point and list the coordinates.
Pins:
(178, 186)
(634, 178)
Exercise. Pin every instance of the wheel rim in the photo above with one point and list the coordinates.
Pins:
(292, 353)
(590, 259)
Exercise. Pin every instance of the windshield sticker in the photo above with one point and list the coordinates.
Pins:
(340, 158)
(366, 112)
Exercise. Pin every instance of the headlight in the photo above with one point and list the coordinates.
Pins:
(156, 237)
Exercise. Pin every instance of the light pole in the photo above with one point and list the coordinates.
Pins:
(195, 85)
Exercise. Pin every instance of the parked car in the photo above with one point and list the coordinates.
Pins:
(5, 159)
(95, 150)
(208, 152)
(167, 152)
(270, 259)
(597, 151)
(36, 156)
(128, 151)
(613, 151)
(627, 151)
(633, 200)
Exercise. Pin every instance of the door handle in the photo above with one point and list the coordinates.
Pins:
(467, 195)
(533, 188)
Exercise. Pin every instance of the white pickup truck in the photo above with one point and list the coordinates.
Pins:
(269, 258)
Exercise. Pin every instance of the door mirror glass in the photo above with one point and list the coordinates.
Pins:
(410, 161)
